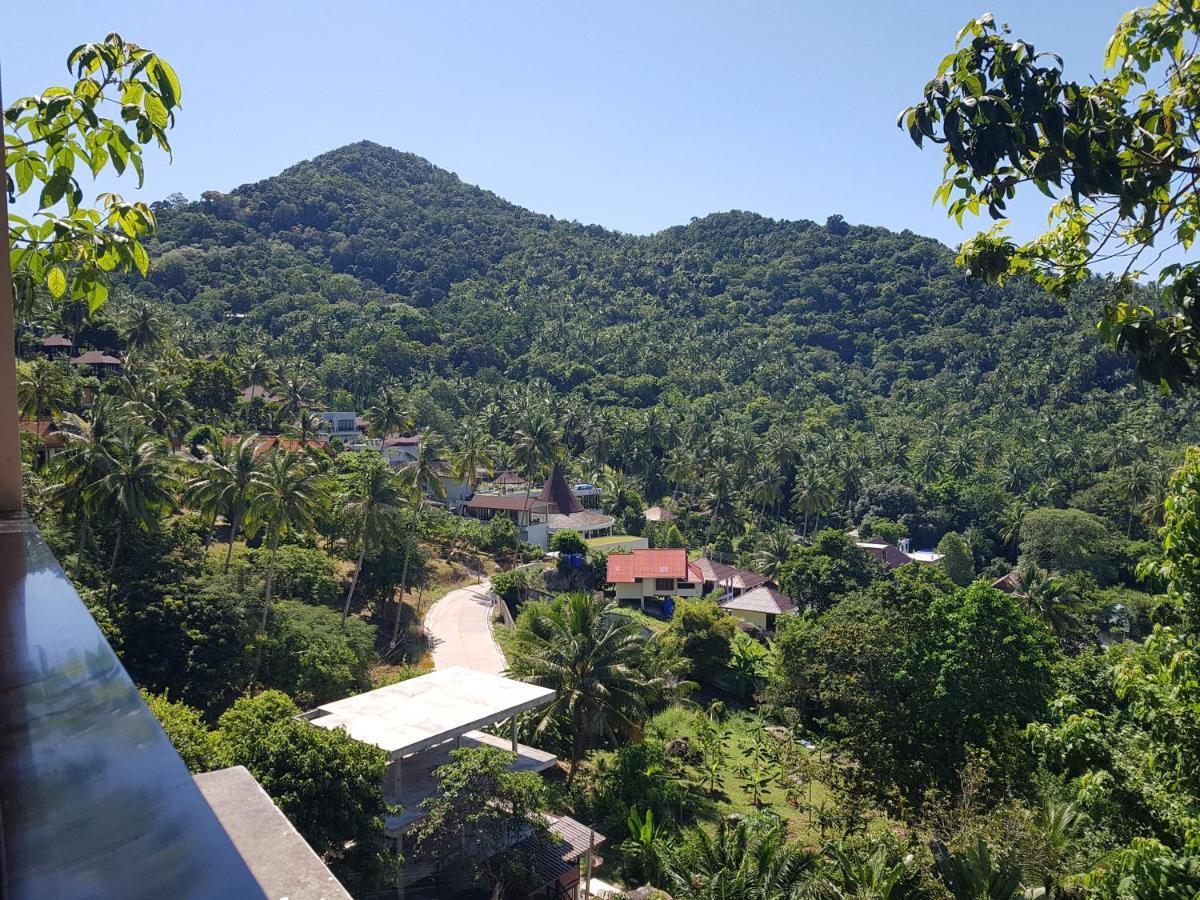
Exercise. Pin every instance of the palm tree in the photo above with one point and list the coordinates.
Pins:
(258, 372)
(308, 424)
(389, 414)
(423, 475)
(766, 490)
(535, 444)
(370, 511)
(133, 487)
(226, 479)
(144, 328)
(80, 464)
(773, 550)
(741, 862)
(158, 401)
(878, 875)
(973, 874)
(1137, 482)
(474, 453)
(297, 394)
(1054, 830)
(1052, 601)
(591, 654)
(285, 498)
(1011, 522)
(42, 391)
(811, 496)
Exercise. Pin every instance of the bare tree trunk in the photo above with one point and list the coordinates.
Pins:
(362, 553)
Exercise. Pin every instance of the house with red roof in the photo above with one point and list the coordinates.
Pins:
(653, 574)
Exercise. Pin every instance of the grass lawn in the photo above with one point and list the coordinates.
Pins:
(610, 540)
(731, 796)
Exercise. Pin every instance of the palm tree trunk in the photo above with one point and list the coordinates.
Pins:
(258, 654)
(404, 572)
(233, 530)
(576, 750)
(270, 576)
(112, 569)
(81, 528)
(362, 553)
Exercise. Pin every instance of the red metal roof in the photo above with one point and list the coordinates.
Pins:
(626, 568)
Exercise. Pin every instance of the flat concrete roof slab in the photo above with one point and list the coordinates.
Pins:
(429, 710)
(277, 856)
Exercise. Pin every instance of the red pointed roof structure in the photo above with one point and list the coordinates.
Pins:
(559, 495)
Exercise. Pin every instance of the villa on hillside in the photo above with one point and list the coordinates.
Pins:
(759, 606)
(728, 581)
(101, 364)
(654, 575)
(529, 514)
(507, 481)
(397, 449)
(567, 512)
(56, 345)
(658, 514)
(343, 425)
(258, 392)
(894, 556)
(418, 722)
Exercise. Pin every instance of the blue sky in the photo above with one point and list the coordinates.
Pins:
(633, 115)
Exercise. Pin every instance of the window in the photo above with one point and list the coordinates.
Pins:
(664, 584)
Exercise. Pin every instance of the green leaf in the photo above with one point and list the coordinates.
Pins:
(156, 111)
(24, 173)
(56, 282)
(141, 259)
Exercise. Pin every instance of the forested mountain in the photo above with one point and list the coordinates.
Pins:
(376, 264)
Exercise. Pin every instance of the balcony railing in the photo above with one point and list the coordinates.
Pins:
(94, 801)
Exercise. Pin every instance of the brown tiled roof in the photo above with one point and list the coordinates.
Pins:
(1007, 583)
(890, 556)
(397, 440)
(57, 340)
(95, 358)
(507, 501)
(261, 393)
(659, 514)
(508, 477)
(761, 599)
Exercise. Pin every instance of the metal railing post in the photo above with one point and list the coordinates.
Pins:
(10, 424)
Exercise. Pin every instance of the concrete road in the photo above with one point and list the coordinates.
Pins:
(460, 633)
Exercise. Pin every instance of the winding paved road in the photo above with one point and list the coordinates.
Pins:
(460, 633)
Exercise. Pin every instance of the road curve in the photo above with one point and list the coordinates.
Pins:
(459, 630)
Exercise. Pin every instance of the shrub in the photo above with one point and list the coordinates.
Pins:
(313, 658)
(568, 541)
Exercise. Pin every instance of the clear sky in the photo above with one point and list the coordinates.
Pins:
(634, 115)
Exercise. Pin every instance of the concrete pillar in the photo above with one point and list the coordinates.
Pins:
(10, 431)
